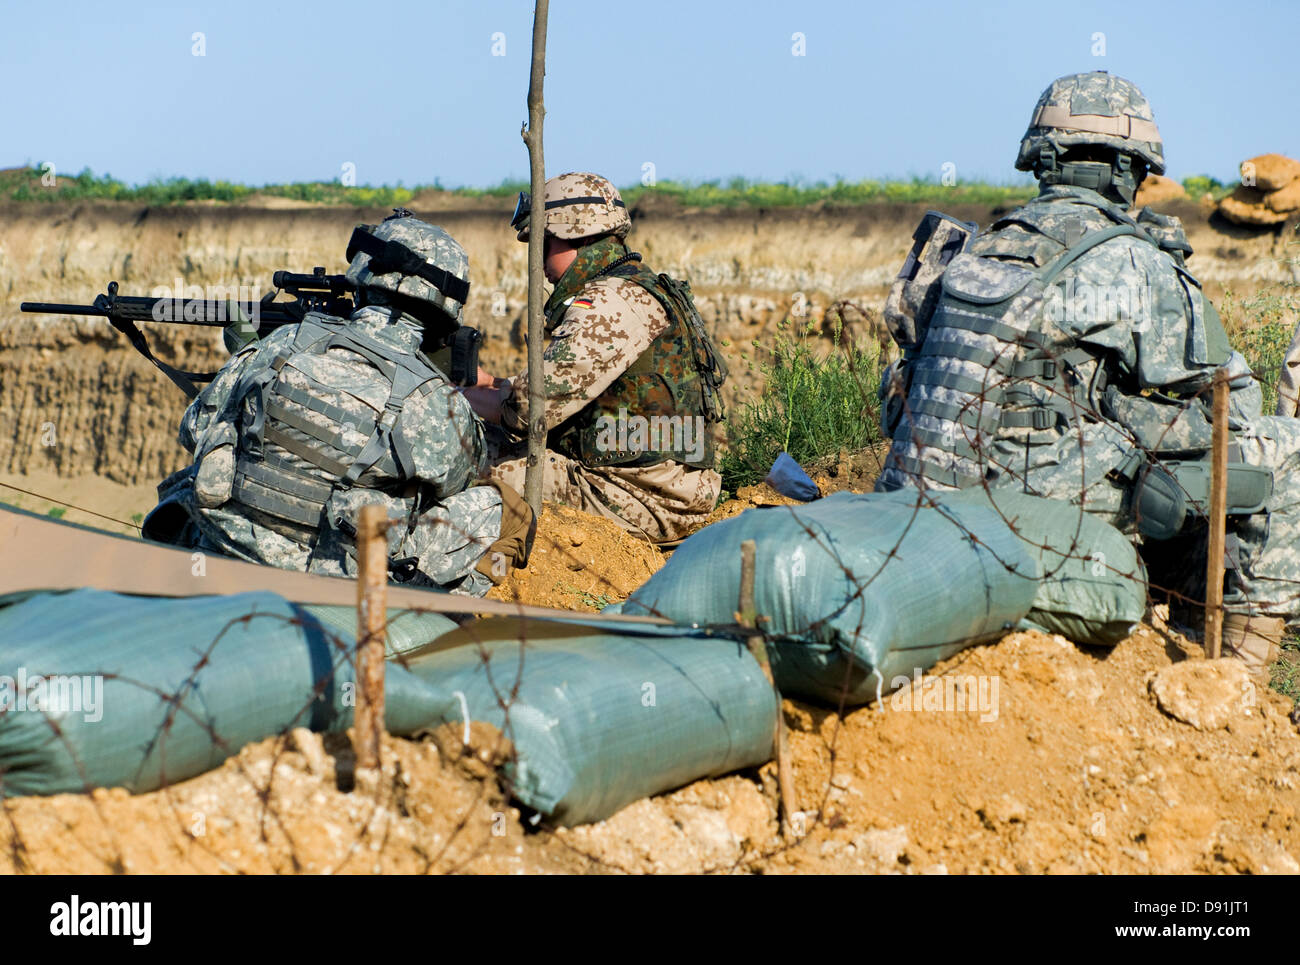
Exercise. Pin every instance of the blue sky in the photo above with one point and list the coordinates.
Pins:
(412, 91)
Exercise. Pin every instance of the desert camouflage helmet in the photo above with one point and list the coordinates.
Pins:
(412, 258)
(577, 206)
(1093, 108)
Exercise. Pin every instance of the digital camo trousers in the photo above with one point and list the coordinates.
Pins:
(1262, 551)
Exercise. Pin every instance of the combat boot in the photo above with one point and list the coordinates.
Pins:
(1188, 618)
(1256, 640)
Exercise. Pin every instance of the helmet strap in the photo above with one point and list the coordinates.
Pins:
(1115, 181)
(435, 322)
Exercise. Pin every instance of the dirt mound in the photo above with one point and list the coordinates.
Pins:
(1247, 206)
(1269, 193)
(579, 562)
(1130, 760)
(1060, 760)
(1285, 199)
(277, 807)
(1270, 172)
(1157, 188)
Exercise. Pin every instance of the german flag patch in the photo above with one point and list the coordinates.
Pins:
(582, 303)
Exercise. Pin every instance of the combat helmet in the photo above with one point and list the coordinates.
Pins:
(412, 259)
(578, 206)
(1097, 110)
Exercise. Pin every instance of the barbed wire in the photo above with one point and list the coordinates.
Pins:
(997, 475)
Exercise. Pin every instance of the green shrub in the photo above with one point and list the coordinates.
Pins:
(740, 192)
(1199, 184)
(813, 402)
(25, 185)
(1260, 327)
(1286, 672)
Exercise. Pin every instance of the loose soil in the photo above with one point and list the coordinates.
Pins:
(579, 562)
(1074, 768)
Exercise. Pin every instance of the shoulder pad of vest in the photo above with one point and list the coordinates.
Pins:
(1064, 221)
(1167, 231)
(321, 318)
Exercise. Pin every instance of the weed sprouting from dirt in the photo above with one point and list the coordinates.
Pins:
(1261, 326)
(813, 403)
(596, 601)
(1286, 672)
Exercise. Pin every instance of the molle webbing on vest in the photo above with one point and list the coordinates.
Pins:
(289, 492)
(986, 366)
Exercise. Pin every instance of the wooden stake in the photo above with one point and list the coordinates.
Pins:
(372, 614)
(747, 616)
(1218, 521)
(532, 135)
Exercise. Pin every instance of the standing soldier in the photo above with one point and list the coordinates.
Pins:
(302, 428)
(1068, 352)
(632, 379)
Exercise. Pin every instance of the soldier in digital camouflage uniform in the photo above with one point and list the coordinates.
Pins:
(631, 377)
(1068, 352)
(303, 427)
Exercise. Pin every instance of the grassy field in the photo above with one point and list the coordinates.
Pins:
(31, 184)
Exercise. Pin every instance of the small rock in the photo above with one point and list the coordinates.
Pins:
(883, 846)
(312, 748)
(1204, 693)
(1002, 811)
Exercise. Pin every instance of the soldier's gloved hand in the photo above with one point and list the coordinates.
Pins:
(487, 400)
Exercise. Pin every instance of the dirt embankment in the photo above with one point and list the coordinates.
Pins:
(1030, 755)
(1129, 761)
(75, 398)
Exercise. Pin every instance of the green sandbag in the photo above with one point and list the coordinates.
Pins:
(406, 630)
(1092, 585)
(602, 718)
(860, 591)
(139, 692)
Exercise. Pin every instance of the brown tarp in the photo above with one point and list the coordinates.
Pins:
(38, 553)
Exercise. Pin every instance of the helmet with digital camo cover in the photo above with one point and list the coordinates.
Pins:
(412, 259)
(1093, 130)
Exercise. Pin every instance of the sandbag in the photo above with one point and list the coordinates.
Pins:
(601, 719)
(860, 590)
(140, 692)
(1092, 585)
(406, 630)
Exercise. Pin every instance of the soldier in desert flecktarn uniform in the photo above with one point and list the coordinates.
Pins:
(631, 378)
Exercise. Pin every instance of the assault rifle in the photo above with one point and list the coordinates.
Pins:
(456, 354)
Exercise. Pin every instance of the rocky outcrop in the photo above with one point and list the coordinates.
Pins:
(1269, 193)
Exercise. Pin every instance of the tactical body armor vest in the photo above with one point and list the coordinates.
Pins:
(672, 389)
(989, 359)
(288, 465)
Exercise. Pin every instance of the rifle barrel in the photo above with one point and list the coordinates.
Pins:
(53, 308)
